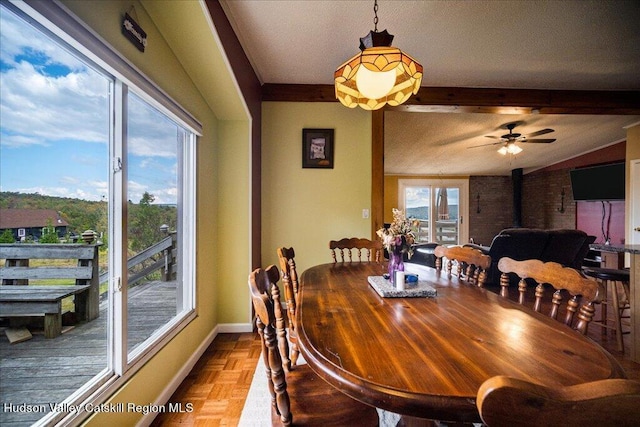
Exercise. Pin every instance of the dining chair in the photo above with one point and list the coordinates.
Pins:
(298, 394)
(286, 257)
(363, 249)
(505, 401)
(470, 264)
(560, 279)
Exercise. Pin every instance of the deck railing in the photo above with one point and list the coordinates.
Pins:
(166, 262)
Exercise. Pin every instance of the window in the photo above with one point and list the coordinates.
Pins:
(438, 207)
(84, 133)
(153, 219)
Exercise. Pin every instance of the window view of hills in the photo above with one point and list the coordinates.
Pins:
(145, 217)
(422, 212)
(80, 214)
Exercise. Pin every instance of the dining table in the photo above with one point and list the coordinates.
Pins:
(426, 356)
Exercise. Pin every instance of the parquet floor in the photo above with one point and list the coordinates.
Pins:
(218, 385)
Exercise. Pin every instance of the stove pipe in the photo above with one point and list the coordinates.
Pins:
(516, 179)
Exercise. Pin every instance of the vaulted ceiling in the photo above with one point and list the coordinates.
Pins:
(541, 45)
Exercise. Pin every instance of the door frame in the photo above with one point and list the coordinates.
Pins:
(463, 207)
(633, 237)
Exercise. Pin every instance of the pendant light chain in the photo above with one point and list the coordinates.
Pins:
(375, 12)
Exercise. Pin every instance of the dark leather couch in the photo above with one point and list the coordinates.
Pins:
(566, 247)
(422, 254)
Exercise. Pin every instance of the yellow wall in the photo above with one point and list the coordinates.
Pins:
(223, 221)
(233, 223)
(305, 208)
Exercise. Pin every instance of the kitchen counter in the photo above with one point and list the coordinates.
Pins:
(631, 249)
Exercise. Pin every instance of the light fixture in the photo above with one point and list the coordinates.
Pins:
(509, 148)
(380, 74)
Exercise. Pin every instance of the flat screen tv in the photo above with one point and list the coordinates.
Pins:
(604, 182)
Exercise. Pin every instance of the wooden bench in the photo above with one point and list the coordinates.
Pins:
(19, 299)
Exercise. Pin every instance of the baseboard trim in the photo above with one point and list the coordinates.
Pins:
(180, 376)
(235, 328)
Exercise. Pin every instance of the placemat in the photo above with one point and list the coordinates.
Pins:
(385, 289)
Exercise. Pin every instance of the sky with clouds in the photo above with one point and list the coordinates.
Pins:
(54, 125)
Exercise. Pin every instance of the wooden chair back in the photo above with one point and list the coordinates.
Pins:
(504, 401)
(559, 278)
(286, 257)
(261, 282)
(298, 390)
(363, 249)
(470, 264)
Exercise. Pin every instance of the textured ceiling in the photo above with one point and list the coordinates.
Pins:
(572, 45)
(449, 144)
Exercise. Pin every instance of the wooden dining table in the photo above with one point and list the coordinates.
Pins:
(427, 357)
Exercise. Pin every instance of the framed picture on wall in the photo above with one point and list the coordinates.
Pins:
(317, 148)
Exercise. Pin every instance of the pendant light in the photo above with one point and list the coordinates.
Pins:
(380, 74)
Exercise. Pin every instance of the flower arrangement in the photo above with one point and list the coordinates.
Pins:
(399, 237)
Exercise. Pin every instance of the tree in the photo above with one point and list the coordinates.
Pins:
(7, 236)
(49, 234)
(145, 221)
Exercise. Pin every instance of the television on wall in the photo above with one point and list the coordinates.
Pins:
(604, 182)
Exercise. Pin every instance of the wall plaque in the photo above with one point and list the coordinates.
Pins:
(134, 32)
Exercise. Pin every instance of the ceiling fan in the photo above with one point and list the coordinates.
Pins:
(509, 140)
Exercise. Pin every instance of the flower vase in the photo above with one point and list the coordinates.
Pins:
(395, 263)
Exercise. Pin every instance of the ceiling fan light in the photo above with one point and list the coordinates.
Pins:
(503, 150)
(513, 149)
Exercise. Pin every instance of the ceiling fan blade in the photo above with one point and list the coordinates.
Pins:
(541, 132)
(539, 141)
(484, 145)
(493, 137)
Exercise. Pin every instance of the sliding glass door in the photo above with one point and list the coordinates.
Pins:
(438, 208)
(90, 145)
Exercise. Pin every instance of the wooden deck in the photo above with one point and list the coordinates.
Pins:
(42, 371)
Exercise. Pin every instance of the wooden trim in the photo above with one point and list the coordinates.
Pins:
(251, 89)
(298, 93)
(377, 171)
(481, 100)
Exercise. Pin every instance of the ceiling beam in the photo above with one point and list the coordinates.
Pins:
(481, 100)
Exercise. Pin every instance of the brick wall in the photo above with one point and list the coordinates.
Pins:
(495, 207)
(541, 203)
(542, 200)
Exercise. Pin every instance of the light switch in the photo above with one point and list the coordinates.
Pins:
(365, 213)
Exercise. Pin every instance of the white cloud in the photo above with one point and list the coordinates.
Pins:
(74, 193)
(12, 140)
(71, 107)
(16, 38)
(49, 99)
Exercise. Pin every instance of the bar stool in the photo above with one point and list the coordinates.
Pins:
(615, 278)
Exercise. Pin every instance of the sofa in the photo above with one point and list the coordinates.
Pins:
(422, 254)
(566, 247)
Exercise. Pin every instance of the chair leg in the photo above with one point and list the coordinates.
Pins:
(616, 313)
(603, 307)
(625, 304)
